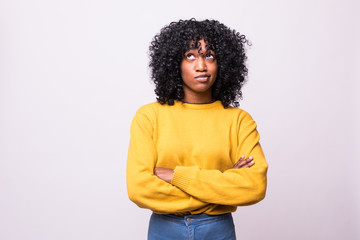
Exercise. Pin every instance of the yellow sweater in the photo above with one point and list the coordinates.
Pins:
(201, 142)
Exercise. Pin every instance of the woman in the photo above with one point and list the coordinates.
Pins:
(192, 153)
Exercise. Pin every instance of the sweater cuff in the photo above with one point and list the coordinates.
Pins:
(183, 176)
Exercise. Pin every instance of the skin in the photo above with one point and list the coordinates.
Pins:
(199, 71)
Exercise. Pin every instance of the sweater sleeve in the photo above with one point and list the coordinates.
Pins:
(144, 188)
(234, 187)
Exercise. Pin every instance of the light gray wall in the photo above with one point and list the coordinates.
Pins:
(73, 73)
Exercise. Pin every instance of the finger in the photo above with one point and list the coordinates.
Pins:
(158, 171)
(246, 161)
(237, 164)
(249, 164)
(240, 159)
(243, 163)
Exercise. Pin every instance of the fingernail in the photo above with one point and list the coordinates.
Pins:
(242, 156)
(252, 162)
(250, 157)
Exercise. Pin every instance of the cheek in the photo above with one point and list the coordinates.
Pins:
(214, 71)
(185, 71)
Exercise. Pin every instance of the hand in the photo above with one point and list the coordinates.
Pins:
(165, 174)
(244, 163)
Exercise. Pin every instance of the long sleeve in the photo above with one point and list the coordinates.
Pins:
(144, 188)
(234, 187)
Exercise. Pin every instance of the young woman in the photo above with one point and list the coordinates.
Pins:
(193, 155)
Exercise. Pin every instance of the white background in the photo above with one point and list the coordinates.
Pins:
(73, 73)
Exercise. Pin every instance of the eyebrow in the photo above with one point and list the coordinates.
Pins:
(200, 49)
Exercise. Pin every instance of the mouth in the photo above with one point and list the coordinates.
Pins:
(202, 78)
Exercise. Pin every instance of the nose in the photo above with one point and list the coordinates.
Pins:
(200, 65)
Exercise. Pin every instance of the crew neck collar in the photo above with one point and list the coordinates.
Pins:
(199, 106)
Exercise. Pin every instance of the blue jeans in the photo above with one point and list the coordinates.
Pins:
(191, 227)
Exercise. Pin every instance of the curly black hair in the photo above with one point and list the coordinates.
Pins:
(167, 50)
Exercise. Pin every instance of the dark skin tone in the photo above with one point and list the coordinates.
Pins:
(199, 72)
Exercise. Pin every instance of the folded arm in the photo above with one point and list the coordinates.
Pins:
(144, 188)
(236, 186)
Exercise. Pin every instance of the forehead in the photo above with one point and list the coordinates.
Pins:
(200, 44)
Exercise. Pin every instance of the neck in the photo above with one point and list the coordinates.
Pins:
(198, 98)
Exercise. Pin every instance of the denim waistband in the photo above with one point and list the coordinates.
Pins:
(194, 217)
(190, 227)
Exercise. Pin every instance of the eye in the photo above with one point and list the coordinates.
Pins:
(190, 56)
(210, 56)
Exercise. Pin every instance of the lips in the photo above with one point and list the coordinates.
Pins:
(202, 77)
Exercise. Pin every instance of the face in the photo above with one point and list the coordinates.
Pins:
(199, 71)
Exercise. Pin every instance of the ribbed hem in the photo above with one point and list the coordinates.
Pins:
(183, 176)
